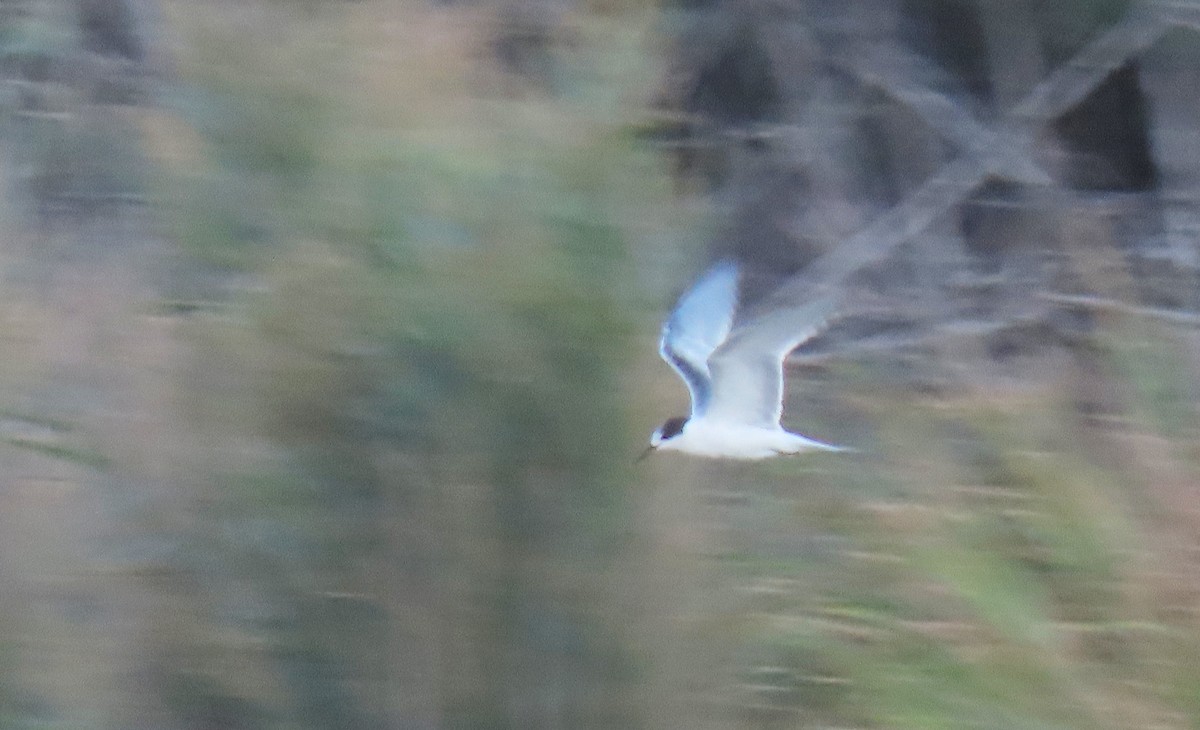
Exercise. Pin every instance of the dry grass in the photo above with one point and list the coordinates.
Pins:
(379, 472)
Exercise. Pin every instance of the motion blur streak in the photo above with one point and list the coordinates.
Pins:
(327, 342)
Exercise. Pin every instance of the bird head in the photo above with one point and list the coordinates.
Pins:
(661, 438)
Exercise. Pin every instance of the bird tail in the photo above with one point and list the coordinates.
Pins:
(807, 444)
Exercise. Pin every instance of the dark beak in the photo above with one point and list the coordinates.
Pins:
(649, 450)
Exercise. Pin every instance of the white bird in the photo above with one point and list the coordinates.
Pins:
(734, 374)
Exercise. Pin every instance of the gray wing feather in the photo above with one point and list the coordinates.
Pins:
(747, 369)
(696, 328)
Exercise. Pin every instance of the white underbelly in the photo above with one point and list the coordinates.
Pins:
(737, 442)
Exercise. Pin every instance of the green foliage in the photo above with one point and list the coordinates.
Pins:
(80, 456)
(1025, 599)
(1159, 375)
(401, 489)
(440, 290)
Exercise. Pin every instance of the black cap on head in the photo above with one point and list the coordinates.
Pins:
(672, 428)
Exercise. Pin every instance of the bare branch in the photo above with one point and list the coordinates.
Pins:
(1075, 79)
(1103, 304)
(1176, 12)
(1064, 88)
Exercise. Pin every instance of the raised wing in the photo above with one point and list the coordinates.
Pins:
(747, 370)
(700, 323)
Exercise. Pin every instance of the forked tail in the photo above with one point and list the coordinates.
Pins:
(804, 443)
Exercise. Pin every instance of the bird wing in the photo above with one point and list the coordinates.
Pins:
(699, 324)
(747, 369)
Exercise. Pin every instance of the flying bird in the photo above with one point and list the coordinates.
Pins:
(733, 367)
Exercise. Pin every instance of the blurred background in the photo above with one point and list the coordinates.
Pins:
(329, 330)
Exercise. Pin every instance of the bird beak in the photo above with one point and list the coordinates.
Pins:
(644, 454)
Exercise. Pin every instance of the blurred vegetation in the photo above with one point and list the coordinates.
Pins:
(343, 436)
(1021, 573)
(440, 256)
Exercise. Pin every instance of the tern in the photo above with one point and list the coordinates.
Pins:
(734, 373)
